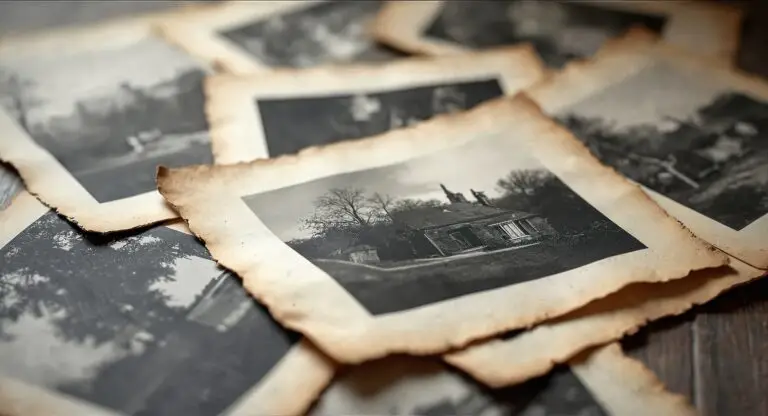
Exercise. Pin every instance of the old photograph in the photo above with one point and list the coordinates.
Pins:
(111, 116)
(424, 387)
(460, 221)
(328, 119)
(319, 33)
(699, 144)
(560, 31)
(144, 324)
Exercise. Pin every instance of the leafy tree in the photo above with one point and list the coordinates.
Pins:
(539, 191)
(90, 287)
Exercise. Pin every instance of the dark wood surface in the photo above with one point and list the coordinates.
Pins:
(716, 355)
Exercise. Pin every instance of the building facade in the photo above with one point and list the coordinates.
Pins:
(463, 227)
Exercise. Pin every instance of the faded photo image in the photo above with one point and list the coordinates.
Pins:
(559, 30)
(460, 221)
(406, 386)
(320, 33)
(328, 119)
(145, 324)
(111, 116)
(695, 142)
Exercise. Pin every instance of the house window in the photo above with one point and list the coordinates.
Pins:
(527, 226)
(465, 238)
(515, 230)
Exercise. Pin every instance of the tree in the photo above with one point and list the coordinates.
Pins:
(540, 192)
(90, 288)
(523, 182)
(340, 208)
(19, 96)
(346, 217)
(408, 204)
(383, 202)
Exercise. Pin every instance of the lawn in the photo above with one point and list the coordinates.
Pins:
(384, 291)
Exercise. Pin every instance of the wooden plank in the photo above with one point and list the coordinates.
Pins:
(665, 346)
(731, 353)
(753, 55)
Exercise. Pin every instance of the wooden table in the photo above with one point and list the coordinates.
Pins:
(717, 354)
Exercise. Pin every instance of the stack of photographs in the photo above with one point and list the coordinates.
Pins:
(403, 207)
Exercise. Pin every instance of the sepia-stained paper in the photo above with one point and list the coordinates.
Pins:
(284, 111)
(143, 323)
(560, 30)
(536, 351)
(87, 115)
(601, 382)
(426, 238)
(693, 135)
(243, 37)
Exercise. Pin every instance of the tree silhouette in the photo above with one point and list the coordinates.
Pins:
(90, 288)
(345, 217)
(408, 204)
(340, 209)
(539, 191)
(350, 211)
(390, 206)
(383, 202)
(18, 96)
(524, 182)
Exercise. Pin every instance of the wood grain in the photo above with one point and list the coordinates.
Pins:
(666, 347)
(731, 353)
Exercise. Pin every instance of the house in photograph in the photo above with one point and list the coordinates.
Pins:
(221, 309)
(221, 305)
(463, 226)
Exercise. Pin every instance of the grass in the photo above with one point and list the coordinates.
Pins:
(384, 291)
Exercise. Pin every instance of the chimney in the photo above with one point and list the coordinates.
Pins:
(481, 198)
(453, 197)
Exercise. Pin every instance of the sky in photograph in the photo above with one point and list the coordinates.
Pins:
(189, 279)
(61, 80)
(649, 96)
(477, 165)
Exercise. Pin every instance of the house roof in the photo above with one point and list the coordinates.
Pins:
(458, 212)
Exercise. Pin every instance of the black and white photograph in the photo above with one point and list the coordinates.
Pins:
(320, 33)
(144, 324)
(111, 116)
(328, 119)
(692, 140)
(463, 220)
(425, 387)
(559, 31)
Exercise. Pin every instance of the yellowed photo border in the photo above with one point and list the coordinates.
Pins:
(306, 299)
(42, 174)
(705, 28)
(536, 351)
(397, 385)
(236, 130)
(620, 60)
(625, 386)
